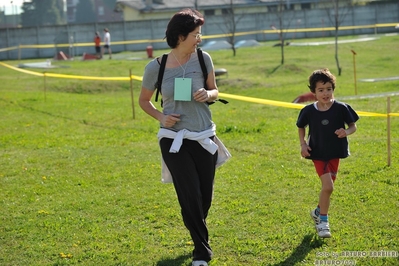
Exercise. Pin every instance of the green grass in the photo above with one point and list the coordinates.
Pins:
(80, 178)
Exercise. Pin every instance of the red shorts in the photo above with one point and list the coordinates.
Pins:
(324, 167)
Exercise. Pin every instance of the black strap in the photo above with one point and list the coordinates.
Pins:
(162, 70)
(203, 67)
(160, 75)
(205, 73)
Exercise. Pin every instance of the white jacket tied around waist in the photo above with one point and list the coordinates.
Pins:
(203, 139)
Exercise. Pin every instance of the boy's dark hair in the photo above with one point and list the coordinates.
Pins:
(181, 24)
(324, 75)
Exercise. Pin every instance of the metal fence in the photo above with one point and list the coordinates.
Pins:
(74, 40)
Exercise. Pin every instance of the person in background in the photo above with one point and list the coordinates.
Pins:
(107, 43)
(187, 132)
(330, 123)
(97, 42)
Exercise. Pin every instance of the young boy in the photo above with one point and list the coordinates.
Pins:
(327, 139)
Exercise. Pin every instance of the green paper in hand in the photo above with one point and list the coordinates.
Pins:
(182, 89)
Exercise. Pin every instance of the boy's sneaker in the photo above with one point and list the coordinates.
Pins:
(199, 263)
(323, 230)
(315, 218)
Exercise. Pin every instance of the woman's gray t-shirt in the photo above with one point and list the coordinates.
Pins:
(194, 116)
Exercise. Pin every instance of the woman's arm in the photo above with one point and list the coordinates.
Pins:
(209, 95)
(146, 104)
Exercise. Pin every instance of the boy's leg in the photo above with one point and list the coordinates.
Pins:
(327, 187)
(327, 172)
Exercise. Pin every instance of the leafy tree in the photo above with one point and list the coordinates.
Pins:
(85, 12)
(40, 12)
(28, 15)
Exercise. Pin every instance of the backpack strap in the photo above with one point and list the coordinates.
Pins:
(205, 73)
(160, 75)
(203, 67)
(162, 70)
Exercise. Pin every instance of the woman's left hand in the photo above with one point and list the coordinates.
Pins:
(201, 95)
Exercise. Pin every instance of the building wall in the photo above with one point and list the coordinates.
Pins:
(104, 13)
(129, 35)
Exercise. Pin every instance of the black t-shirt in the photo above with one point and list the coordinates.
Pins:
(324, 143)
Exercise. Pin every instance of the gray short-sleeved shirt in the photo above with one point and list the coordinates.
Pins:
(195, 116)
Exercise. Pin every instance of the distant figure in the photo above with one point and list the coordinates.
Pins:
(97, 41)
(107, 43)
(306, 97)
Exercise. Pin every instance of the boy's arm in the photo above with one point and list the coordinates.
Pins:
(304, 146)
(342, 133)
(301, 133)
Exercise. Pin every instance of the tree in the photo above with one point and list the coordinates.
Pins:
(40, 13)
(28, 15)
(336, 16)
(231, 19)
(280, 31)
(85, 12)
(60, 7)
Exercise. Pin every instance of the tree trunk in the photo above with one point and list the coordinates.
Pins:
(336, 51)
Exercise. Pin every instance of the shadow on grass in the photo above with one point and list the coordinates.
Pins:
(309, 242)
(179, 261)
(275, 69)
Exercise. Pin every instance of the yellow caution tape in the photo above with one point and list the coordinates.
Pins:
(290, 105)
(53, 75)
(221, 94)
(261, 101)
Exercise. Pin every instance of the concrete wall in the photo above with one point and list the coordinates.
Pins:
(137, 35)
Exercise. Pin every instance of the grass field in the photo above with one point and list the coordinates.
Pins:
(80, 178)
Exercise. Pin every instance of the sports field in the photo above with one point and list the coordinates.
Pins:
(80, 178)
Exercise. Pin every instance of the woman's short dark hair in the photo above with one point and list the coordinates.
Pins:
(181, 24)
(324, 75)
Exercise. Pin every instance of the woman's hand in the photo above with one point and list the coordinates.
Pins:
(201, 95)
(170, 120)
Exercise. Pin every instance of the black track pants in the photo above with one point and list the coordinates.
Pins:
(193, 172)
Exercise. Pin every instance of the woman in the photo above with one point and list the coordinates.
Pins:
(186, 122)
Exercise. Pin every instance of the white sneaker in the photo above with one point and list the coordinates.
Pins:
(199, 263)
(315, 218)
(323, 230)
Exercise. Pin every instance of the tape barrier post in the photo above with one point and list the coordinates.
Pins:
(131, 92)
(354, 69)
(45, 86)
(389, 130)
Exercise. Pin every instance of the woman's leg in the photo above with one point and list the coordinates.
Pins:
(193, 172)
